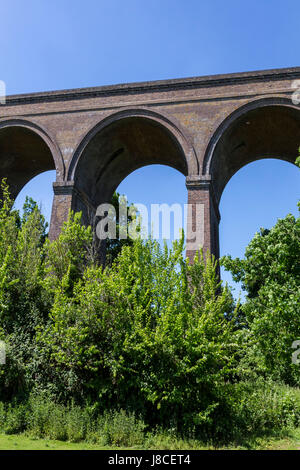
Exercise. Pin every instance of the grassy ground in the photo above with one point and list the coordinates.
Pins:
(23, 442)
(291, 442)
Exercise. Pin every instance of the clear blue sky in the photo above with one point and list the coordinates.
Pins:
(48, 45)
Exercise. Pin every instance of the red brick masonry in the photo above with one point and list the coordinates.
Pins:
(205, 127)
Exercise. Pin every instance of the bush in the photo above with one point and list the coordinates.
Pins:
(79, 423)
(15, 420)
(47, 418)
(120, 429)
(245, 411)
(143, 337)
(259, 408)
(56, 426)
(41, 417)
(2, 416)
(265, 406)
(162, 439)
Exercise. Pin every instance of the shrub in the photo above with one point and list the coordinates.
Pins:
(47, 419)
(56, 426)
(15, 419)
(259, 408)
(266, 406)
(149, 334)
(121, 429)
(2, 416)
(79, 423)
(161, 439)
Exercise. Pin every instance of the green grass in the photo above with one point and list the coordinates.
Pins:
(24, 442)
(289, 442)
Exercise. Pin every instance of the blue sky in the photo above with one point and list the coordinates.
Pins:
(48, 45)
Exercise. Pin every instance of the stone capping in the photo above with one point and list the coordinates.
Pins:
(156, 86)
(64, 187)
(203, 182)
(198, 182)
(68, 188)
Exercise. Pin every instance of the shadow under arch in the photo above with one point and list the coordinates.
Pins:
(122, 143)
(263, 128)
(26, 150)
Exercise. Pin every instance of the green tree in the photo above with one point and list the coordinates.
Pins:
(114, 246)
(24, 304)
(67, 257)
(270, 274)
(148, 333)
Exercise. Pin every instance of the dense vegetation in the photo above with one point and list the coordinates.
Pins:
(270, 274)
(149, 344)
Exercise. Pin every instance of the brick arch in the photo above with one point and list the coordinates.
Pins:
(27, 150)
(189, 165)
(112, 149)
(263, 128)
(118, 145)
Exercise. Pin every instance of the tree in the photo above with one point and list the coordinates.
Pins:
(148, 333)
(24, 303)
(270, 274)
(114, 246)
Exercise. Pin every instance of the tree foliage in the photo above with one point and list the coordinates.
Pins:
(114, 246)
(148, 332)
(270, 274)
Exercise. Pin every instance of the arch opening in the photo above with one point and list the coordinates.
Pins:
(120, 148)
(264, 131)
(24, 154)
(170, 190)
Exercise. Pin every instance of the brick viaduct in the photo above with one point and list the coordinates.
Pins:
(205, 127)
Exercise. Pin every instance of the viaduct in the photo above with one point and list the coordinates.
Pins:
(205, 127)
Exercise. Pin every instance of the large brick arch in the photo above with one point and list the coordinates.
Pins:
(263, 128)
(26, 150)
(267, 127)
(120, 144)
(174, 131)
